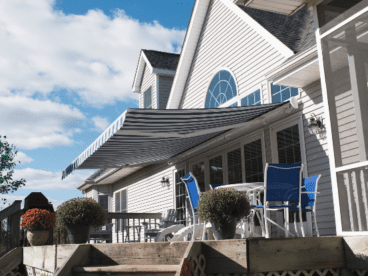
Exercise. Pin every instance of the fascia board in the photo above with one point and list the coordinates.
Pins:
(292, 65)
(274, 41)
(139, 75)
(187, 53)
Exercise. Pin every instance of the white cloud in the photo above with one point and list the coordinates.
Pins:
(30, 123)
(100, 123)
(92, 54)
(23, 158)
(45, 180)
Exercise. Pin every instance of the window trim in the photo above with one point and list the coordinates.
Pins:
(98, 201)
(297, 119)
(249, 139)
(209, 81)
(270, 91)
(149, 88)
(174, 171)
(206, 171)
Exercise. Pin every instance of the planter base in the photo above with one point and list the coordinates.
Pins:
(224, 231)
(36, 238)
(78, 233)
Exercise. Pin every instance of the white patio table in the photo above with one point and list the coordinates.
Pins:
(253, 191)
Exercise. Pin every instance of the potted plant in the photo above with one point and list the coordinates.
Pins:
(223, 208)
(37, 222)
(78, 215)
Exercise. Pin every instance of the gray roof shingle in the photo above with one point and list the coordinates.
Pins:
(162, 60)
(296, 31)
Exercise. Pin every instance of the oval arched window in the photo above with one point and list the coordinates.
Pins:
(221, 90)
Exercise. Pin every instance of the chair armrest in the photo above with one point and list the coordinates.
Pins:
(173, 228)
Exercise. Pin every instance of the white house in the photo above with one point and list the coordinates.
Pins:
(221, 110)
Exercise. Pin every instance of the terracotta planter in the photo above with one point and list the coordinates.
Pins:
(36, 238)
(224, 231)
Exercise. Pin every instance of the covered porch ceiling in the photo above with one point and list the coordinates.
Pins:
(140, 137)
(287, 7)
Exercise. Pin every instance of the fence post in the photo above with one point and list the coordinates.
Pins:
(14, 221)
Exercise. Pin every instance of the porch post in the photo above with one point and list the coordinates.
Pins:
(358, 80)
(331, 123)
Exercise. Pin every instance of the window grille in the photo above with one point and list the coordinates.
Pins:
(234, 165)
(253, 162)
(221, 90)
(252, 99)
(283, 93)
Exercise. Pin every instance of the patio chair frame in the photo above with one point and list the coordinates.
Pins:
(267, 207)
(192, 198)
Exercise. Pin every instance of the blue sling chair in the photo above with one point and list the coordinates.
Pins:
(308, 198)
(193, 191)
(282, 183)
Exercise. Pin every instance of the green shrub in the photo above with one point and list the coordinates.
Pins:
(222, 205)
(80, 211)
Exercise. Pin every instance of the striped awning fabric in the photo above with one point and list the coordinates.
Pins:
(141, 136)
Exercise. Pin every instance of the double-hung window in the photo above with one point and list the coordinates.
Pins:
(121, 206)
(147, 99)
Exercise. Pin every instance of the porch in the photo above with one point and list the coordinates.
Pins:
(313, 256)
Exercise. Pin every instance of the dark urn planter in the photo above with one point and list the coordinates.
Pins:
(224, 231)
(78, 233)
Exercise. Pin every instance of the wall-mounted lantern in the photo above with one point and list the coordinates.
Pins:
(314, 125)
(165, 182)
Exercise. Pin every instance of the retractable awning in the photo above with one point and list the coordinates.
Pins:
(142, 136)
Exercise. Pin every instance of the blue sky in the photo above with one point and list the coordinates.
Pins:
(67, 68)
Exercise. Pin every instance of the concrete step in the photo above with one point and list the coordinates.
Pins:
(126, 270)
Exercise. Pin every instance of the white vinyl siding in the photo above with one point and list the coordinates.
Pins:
(227, 41)
(317, 159)
(165, 84)
(145, 193)
(148, 80)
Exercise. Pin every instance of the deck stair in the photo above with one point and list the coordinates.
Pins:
(126, 270)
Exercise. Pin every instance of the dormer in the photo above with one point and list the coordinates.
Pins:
(154, 77)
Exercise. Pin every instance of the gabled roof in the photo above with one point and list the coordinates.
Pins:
(296, 31)
(158, 62)
(162, 60)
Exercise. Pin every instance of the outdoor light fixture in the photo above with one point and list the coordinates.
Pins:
(314, 125)
(165, 182)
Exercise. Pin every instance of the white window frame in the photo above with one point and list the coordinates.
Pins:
(286, 123)
(206, 170)
(209, 81)
(119, 191)
(224, 171)
(234, 147)
(269, 85)
(174, 190)
(249, 139)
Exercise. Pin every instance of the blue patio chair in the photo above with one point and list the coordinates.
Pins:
(193, 191)
(308, 198)
(282, 183)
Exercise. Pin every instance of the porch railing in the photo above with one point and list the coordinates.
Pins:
(128, 227)
(353, 196)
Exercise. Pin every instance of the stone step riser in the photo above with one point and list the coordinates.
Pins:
(122, 274)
